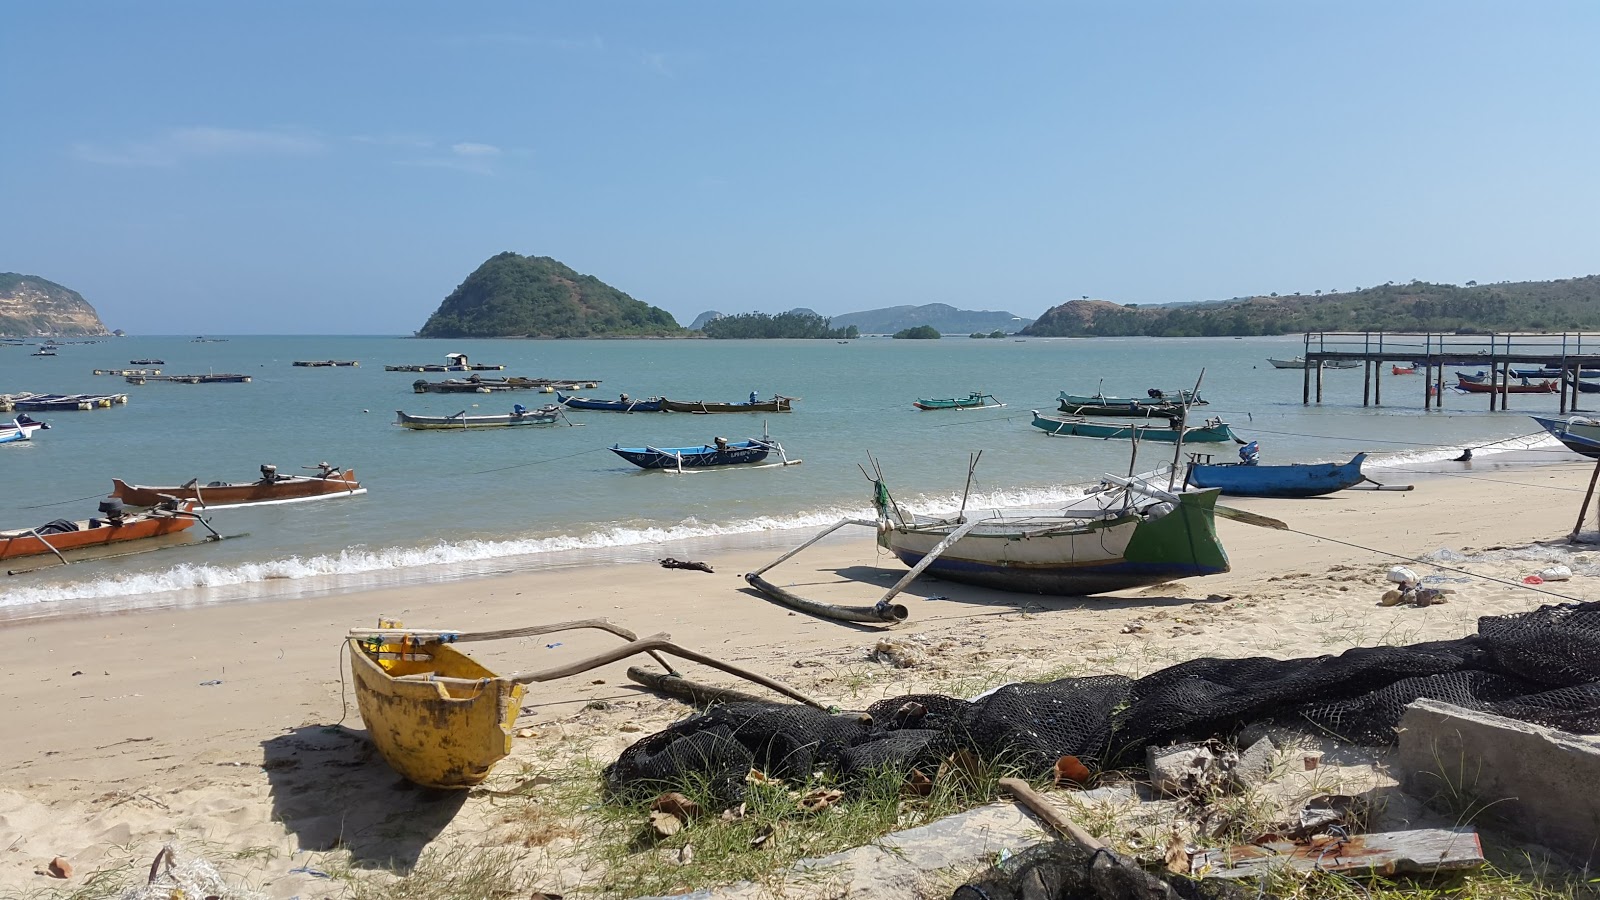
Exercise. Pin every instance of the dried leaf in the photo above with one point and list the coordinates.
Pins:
(733, 814)
(917, 784)
(1177, 855)
(677, 805)
(762, 837)
(962, 764)
(756, 776)
(820, 799)
(1069, 770)
(665, 824)
(60, 868)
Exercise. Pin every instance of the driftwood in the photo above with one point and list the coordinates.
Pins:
(670, 563)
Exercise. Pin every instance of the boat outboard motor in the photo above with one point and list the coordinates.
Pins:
(1249, 453)
(269, 473)
(112, 512)
(721, 442)
(1156, 394)
(517, 409)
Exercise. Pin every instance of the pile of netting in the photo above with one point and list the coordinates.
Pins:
(1541, 666)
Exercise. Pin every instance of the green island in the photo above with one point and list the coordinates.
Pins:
(512, 295)
(993, 334)
(919, 333)
(1564, 304)
(792, 324)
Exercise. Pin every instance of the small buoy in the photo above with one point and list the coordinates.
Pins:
(366, 410)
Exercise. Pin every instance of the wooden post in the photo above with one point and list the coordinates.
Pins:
(1562, 408)
(1587, 496)
(1505, 397)
(1305, 384)
(1377, 385)
(1366, 382)
(1438, 387)
(1427, 382)
(1319, 381)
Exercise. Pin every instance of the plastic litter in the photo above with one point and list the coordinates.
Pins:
(1403, 575)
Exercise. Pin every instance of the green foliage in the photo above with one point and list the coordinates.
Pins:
(792, 324)
(511, 295)
(919, 333)
(1565, 304)
(992, 334)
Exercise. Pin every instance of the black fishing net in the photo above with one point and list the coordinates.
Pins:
(1541, 666)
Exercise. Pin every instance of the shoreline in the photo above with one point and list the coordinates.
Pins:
(236, 722)
(267, 587)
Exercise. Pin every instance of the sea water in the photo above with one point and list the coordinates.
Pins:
(449, 504)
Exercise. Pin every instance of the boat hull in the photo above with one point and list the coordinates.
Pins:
(289, 489)
(150, 525)
(1298, 363)
(1579, 435)
(1484, 387)
(974, 401)
(432, 733)
(1307, 480)
(1167, 398)
(651, 405)
(460, 423)
(1108, 555)
(1128, 409)
(780, 404)
(738, 453)
(1205, 434)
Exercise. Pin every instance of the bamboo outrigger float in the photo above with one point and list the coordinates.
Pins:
(442, 720)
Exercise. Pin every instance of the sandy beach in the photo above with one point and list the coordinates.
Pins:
(216, 725)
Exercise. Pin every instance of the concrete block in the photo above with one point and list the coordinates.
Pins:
(1538, 782)
(1179, 769)
(1255, 764)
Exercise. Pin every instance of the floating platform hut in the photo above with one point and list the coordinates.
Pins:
(455, 362)
(324, 363)
(224, 378)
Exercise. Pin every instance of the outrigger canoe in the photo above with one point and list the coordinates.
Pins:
(330, 481)
(1154, 397)
(1213, 431)
(776, 404)
(722, 453)
(974, 400)
(1485, 387)
(545, 415)
(652, 404)
(1248, 479)
(116, 526)
(1580, 434)
(442, 720)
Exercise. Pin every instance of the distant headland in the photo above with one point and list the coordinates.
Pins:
(512, 295)
(32, 306)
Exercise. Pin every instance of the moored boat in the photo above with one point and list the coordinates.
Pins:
(720, 452)
(1580, 434)
(622, 404)
(545, 415)
(1122, 539)
(1247, 478)
(778, 403)
(1154, 396)
(480, 385)
(974, 400)
(1299, 362)
(20, 429)
(114, 525)
(1402, 370)
(1586, 387)
(329, 481)
(1488, 387)
(1213, 431)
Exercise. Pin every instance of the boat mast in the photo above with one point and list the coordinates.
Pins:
(1183, 425)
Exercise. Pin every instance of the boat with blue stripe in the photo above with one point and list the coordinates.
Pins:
(720, 452)
(624, 404)
(1247, 478)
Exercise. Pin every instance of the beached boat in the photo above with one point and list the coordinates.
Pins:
(1580, 434)
(544, 415)
(442, 720)
(778, 403)
(719, 453)
(1119, 539)
(1299, 363)
(20, 429)
(329, 481)
(1526, 387)
(115, 525)
(1250, 479)
(1154, 396)
(974, 400)
(1213, 431)
(624, 404)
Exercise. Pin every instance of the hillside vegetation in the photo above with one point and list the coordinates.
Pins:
(796, 323)
(30, 305)
(511, 295)
(1567, 304)
(919, 333)
(941, 316)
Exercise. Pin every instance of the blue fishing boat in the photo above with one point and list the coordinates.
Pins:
(1585, 386)
(622, 404)
(1213, 431)
(20, 429)
(721, 452)
(1246, 478)
(1580, 434)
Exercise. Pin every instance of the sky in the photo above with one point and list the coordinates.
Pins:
(315, 167)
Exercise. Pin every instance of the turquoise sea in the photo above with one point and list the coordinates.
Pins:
(453, 504)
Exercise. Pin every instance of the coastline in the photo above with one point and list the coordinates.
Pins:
(183, 706)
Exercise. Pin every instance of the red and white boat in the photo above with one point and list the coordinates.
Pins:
(114, 526)
(329, 481)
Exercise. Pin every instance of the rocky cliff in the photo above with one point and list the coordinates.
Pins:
(30, 305)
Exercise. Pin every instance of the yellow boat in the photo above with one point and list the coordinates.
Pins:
(442, 720)
(436, 733)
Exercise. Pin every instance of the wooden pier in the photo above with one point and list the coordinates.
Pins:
(1566, 354)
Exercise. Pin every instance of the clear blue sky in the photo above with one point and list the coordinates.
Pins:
(340, 167)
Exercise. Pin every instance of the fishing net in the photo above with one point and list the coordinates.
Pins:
(1541, 666)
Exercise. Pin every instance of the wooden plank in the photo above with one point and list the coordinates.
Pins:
(1423, 851)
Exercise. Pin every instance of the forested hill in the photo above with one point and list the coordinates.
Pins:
(30, 305)
(1566, 304)
(941, 316)
(511, 295)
